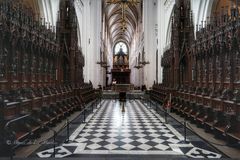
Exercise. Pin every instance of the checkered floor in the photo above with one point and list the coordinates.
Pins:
(137, 130)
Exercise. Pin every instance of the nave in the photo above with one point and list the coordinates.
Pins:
(67, 67)
(138, 130)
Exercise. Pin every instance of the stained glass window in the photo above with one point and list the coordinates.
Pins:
(119, 46)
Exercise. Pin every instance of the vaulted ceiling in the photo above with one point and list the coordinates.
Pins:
(219, 6)
(114, 19)
(33, 5)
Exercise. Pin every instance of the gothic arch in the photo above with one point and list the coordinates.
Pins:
(49, 10)
(121, 39)
(169, 14)
(205, 8)
(169, 29)
(113, 15)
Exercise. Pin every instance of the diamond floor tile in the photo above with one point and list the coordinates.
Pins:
(136, 131)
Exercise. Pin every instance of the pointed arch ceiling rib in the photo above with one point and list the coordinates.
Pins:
(114, 14)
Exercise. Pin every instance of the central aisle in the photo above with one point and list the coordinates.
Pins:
(137, 131)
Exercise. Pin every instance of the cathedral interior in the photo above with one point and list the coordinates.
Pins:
(119, 79)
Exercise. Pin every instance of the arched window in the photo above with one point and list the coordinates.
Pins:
(120, 47)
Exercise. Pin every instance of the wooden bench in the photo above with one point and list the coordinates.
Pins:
(43, 108)
(19, 129)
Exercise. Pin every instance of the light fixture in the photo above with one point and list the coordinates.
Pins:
(123, 1)
(101, 62)
(144, 62)
(138, 66)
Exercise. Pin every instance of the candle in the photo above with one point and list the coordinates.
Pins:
(170, 97)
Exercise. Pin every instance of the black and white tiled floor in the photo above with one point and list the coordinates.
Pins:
(137, 131)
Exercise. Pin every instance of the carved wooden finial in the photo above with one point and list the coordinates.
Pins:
(232, 4)
(202, 24)
(237, 10)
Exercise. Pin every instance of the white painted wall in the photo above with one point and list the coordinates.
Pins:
(89, 18)
(150, 21)
(136, 47)
(49, 10)
(161, 17)
(201, 10)
(89, 14)
(79, 11)
(156, 26)
(165, 11)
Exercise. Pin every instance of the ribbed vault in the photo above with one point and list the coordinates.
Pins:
(119, 29)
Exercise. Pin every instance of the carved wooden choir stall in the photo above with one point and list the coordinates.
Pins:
(203, 74)
(41, 71)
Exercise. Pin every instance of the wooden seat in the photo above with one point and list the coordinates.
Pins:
(50, 113)
(63, 108)
(19, 128)
(43, 108)
(32, 81)
(68, 106)
(57, 111)
(234, 128)
(235, 135)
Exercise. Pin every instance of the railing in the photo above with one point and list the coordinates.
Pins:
(10, 140)
(185, 125)
(81, 118)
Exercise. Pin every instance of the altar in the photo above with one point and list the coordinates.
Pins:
(123, 87)
(122, 90)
